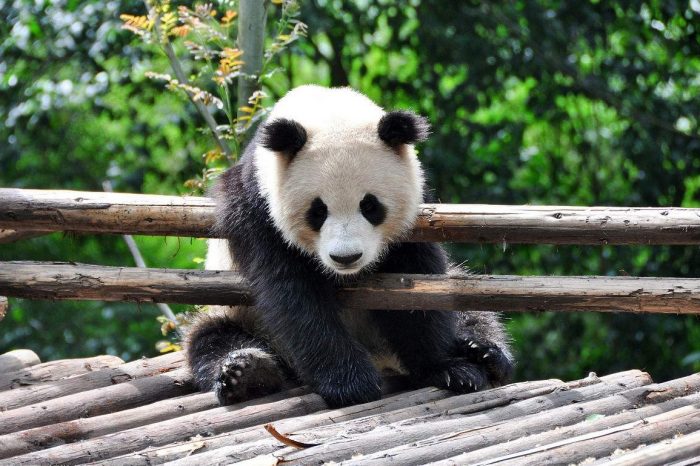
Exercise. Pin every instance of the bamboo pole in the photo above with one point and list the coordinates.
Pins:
(16, 360)
(54, 370)
(90, 212)
(504, 449)
(339, 443)
(433, 448)
(39, 393)
(48, 280)
(98, 401)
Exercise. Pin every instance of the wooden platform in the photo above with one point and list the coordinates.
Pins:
(104, 411)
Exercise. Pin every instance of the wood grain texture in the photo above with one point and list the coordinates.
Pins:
(503, 448)
(103, 400)
(361, 418)
(436, 447)
(680, 447)
(17, 359)
(345, 445)
(33, 394)
(52, 280)
(93, 212)
(55, 370)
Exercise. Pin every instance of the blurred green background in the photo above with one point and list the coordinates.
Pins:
(539, 102)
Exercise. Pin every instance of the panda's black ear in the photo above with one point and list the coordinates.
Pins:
(403, 127)
(284, 136)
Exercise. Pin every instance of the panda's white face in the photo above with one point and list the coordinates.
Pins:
(345, 194)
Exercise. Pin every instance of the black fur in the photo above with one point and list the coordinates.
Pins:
(403, 127)
(373, 210)
(218, 346)
(317, 214)
(297, 315)
(284, 136)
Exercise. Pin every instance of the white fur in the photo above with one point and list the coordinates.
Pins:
(218, 256)
(342, 160)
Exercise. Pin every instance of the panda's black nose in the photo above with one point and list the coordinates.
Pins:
(346, 260)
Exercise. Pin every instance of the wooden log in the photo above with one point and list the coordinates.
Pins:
(24, 396)
(653, 429)
(4, 306)
(445, 444)
(54, 370)
(344, 443)
(86, 212)
(204, 423)
(173, 451)
(16, 360)
(26, 441)
(510, 449)
(682, 447)
(103, 400)
(91, 212)
(47, 280)
(240, 446)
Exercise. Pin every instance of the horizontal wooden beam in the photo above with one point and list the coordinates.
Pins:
(41, 280)
(99, 212)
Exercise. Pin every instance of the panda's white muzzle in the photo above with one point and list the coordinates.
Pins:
(347, 245)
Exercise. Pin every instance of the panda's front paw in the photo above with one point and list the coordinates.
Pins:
(245, 374)
(496, 363)
(345, 386)
(459, 375)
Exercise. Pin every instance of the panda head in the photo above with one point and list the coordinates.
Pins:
(340, 175)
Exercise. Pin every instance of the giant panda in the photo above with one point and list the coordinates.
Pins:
(324, 194)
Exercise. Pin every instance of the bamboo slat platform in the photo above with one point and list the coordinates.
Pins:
(104, 411)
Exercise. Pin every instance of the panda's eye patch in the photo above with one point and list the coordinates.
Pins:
(317, 214)
(373, 210)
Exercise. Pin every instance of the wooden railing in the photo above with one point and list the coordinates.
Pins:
(33, 212)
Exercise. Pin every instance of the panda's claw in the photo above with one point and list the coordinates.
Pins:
(497, 365)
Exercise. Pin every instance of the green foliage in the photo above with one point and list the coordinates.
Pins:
(214, 60)
(579, 103)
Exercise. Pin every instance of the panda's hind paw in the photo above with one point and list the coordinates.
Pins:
(247, 373)
(497, 365)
